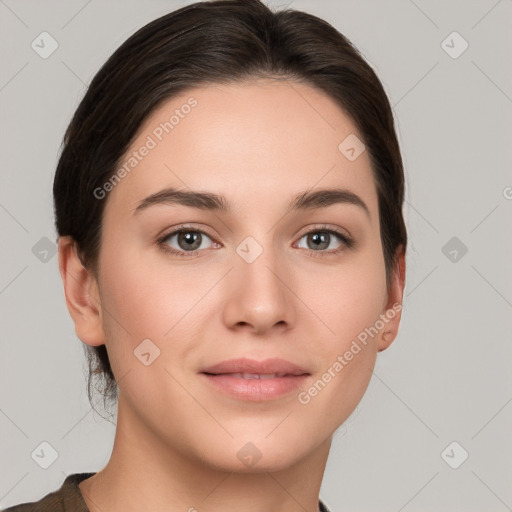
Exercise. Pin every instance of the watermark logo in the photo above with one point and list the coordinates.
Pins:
(44, 455)
(351, 147)
(249, 454)
(249, 249)
(454, 455)
(454, 45)
(454, 249)
(146, 352)
(44, 45)
(44, 249)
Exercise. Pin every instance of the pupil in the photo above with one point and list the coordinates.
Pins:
(191, 238)
(319, 239)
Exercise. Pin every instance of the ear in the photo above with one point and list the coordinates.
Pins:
(82, 294)
(393, 308)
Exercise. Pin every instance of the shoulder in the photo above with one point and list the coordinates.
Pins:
(65, 499)
(49, 503)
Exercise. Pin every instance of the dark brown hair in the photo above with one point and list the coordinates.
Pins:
(221, 41)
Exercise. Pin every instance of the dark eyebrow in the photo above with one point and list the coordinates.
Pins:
(322, 198)
(308, 200)
(201, 200)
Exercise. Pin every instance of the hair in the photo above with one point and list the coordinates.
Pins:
(220, 42)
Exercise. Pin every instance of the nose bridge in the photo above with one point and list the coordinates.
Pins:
(259, 289)
(259, 265)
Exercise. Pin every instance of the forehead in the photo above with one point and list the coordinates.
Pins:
(262, 141)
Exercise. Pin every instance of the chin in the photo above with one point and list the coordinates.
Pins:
(262, 454)
(268, 463)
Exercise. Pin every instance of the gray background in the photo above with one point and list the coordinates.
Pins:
(448, 375)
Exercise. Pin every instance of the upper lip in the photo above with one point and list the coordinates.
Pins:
(267, 366)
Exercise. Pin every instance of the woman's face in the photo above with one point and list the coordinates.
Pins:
(257, 279)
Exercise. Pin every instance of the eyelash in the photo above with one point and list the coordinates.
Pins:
(347, 242)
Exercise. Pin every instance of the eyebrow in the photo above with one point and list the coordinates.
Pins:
(307, 200)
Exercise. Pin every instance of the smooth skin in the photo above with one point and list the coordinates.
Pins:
(258, 144)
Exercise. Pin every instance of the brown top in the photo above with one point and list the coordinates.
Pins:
(69, 498)
(66, 499)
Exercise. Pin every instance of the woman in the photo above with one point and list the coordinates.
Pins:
(228, 203)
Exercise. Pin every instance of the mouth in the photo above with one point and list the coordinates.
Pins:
(254, 375)
(252, 380)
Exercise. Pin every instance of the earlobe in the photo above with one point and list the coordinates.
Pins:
(81, 292)
(393, 310)
(386, 338)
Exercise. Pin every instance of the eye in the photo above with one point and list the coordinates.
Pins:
(188, 241)
(322, 237)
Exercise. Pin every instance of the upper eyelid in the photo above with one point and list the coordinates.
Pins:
(312, 229)
(167, 234)
(325, 227)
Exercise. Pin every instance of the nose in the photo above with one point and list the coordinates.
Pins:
(259, 295)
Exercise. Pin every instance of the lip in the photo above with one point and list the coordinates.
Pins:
(245, 365)
(226, 377)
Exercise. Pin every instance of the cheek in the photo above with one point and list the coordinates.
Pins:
(347, 298)
(145, 299)
(356, 293)
(346, 364)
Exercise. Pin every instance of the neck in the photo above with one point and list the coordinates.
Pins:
(142, 473)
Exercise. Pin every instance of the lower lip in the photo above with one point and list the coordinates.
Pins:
(256, 389)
